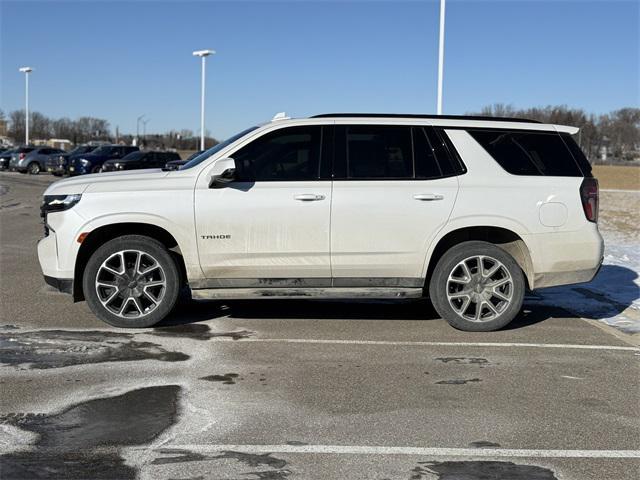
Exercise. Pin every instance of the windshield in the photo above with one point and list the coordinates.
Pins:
(103, 151)
(81, 149)
(134, 156)
(213, 150)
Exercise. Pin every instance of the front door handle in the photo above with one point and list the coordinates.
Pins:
(428, 197)
(308, 197)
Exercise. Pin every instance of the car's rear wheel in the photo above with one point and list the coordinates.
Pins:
(96, 169)
(477, 286)
(131, 281)
(33, 168)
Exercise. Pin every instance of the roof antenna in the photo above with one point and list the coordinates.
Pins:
(280, 116)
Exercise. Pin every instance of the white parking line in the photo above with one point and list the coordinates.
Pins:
(615, 190)
(429, 344)
(423, 451)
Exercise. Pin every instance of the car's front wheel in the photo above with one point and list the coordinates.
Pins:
(131, 281)
(477, 286)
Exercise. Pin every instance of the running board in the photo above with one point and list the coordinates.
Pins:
(327, 293)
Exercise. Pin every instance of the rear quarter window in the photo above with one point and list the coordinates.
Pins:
(522, 152)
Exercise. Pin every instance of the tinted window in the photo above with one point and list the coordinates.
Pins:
(284, 155)
(425, 157)
(393, 152)
(374, 151)
(577, 153)
(134, 156)
(529, 153)
(103, 151)
(448, 157)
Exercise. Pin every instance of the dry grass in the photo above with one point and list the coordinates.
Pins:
(617, 177)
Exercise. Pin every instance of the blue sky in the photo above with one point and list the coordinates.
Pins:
(117, 60)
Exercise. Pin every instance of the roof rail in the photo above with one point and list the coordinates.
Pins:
(414, 115)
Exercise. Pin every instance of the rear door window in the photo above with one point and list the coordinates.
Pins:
(378, 151)
(426, 164)
(522, 152)
(392, 152)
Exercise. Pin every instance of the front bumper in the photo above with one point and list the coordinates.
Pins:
(56, 168)
(79, 170)
(64, 285)
(48, 258)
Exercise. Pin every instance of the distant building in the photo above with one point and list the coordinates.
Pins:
(3, 128)
(61, 143)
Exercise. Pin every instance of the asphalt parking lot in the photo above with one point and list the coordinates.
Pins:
(303, 389)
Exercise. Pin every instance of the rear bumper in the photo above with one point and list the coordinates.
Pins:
(553, 279)
(64, 285)
(564, 258)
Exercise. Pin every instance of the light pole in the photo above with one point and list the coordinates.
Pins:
(26, 71)
(203, 54)
(138, 128)
(144, 129)
(441, 57)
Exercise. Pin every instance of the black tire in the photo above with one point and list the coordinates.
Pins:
(448, 265)
(150, 247)
(33, 168)
(96, 169)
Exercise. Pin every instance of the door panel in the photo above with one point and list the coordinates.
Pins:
(378, 228)
(260, 231)
(261, 227)
(389, 201)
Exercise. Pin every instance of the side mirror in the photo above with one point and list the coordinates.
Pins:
(223, 173)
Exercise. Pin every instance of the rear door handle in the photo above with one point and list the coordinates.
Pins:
(428, 197)
(308, 197)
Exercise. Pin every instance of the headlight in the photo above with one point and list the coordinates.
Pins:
(58, 203)
(85, 162)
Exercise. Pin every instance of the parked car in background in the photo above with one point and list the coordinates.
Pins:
(92, 162)
(58, 165)
(174, 165)
(5, 157)
(32, 161)
(140, 160)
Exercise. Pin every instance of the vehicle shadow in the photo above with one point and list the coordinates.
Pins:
(608, 295)
(572, 301)
(201, 311)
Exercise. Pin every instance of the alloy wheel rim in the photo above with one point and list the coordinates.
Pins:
(130, 284)
(479, 288)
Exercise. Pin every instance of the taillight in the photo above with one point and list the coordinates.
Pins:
(589, 196)
(21, 156)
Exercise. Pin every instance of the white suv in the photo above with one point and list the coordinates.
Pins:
(470, 211)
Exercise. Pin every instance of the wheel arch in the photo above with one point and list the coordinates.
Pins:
(503, 238)
(105, 233)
